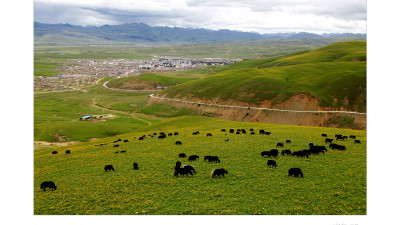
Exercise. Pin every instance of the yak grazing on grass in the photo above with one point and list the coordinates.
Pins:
(54, 152)
(67, 152)
(135, 166)
(108, 168)
(193, 158)
(296, 172)
(182, 155)
(271, 163)
(48, 184)
(218, 172)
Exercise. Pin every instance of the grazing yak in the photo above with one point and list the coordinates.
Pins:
(54, 152)
(162, 136)
(336, 146)
(116, 152)
(185, 170)
(124, 151)
(357, 142)
(108, 168)
(238, 132)
(115, 146)
(193, 158)
(296, 172)
(67, 152)
(302, 153)
(135, 166)
(128, 140)
(280, 144)
(324, 135)
(170, 134)
(353, 136)
(315, 149)
(251, 129)
(182, 155)
(274, 152)
(176, 133)
(178, 165)
(288, 141)
(266, 153)
(48, 184)
(267, 133)
(209, 135)
(262, 132)
(271, 163)
(231, 131)
(227, 140)
(328, 140)
(189, 168)
(286, 152)
(252, 133)
(178, 143)
(212, 158)
(218, 172)
(223, 130)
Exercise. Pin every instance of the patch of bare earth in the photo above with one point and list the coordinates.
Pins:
(298, 102)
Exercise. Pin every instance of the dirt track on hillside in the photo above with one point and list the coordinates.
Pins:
(291, 117)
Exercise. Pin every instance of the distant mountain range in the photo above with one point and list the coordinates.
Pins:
(142, 34)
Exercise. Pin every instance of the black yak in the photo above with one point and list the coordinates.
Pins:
(328, 140)
(296, 172)
(67, 152)
(178, 143)
(266, 153)
(218, 172)
(274, 152)
(193, 158)
(116, 146)
(324, 135)
(108, 168)
(135, 166)
(54, 152)
(209, 135)
(48, 184)
(271, 163)
(288, 141)
(182, 155)
(280, 144)
(286, 152)
(357, 142)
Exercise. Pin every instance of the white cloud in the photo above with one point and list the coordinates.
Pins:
(262, 16)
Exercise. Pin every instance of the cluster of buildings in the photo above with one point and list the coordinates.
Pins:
(81, 72)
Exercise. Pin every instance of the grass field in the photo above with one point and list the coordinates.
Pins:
(334, 183)
(336, 74)
(58, 113)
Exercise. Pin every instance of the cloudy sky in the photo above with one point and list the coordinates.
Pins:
(263, 16)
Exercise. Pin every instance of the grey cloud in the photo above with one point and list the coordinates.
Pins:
(216, 14)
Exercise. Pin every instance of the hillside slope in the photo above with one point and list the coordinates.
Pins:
(334, 76)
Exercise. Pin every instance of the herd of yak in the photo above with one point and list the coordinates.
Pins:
(189, 169)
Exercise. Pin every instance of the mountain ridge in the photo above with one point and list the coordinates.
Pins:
(136, 33)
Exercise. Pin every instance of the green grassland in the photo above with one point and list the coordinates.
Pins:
(336, 74)
(58, 113)
(164, 79)
(46, 56)
(334, 183)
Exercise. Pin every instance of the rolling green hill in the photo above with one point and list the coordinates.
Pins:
(334, 183)
(335, 74)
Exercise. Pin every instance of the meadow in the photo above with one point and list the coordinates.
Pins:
(334, 183)
(335, 74)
